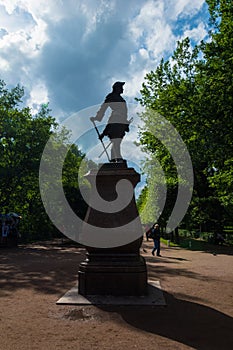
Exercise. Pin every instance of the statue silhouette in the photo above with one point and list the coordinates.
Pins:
(117, 124)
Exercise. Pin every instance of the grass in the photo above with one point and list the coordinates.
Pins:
(198, 244)
(194, 244)
(188, 243)
(171, 244)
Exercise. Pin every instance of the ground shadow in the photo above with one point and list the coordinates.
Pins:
(186, 322)
(40, 266)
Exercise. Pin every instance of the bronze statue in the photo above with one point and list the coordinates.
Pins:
(117, 124)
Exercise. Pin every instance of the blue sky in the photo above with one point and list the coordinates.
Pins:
(70, 52)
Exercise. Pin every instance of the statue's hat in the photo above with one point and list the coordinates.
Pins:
(118, 84)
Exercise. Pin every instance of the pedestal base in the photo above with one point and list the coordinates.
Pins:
(154, 297)
(113, 273)
(116, 268)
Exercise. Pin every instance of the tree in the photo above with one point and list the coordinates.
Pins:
(193, 90)
(218, 97)
(22, 141)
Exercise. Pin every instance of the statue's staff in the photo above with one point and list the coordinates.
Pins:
(129, 122)
(105, 150)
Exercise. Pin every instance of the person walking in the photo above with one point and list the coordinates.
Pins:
(155, 235)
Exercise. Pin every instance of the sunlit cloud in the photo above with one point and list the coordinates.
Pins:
(75, 50)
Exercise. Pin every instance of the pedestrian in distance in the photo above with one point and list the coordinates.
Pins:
(155, 235)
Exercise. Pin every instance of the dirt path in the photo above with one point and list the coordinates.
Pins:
(197, 287)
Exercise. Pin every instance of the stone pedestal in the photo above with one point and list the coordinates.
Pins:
(113, 267)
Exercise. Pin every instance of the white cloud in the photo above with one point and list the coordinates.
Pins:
(152, 33)
(145, 21)
(9, 5)
(38, 96)
(4, 65)
(54, 10)
(150, 29)
(73, 50)
(144, 53)
(182, 8)
(197, 33)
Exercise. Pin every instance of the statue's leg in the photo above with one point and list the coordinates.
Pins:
(116, 149)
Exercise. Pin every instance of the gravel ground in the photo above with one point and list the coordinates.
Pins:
(197, 287)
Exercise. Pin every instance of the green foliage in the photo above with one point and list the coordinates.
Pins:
(194, 91)
(222, 181)
(22, 141)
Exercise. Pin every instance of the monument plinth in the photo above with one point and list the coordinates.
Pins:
(117, 267)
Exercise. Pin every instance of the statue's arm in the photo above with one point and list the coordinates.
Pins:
(100, 114)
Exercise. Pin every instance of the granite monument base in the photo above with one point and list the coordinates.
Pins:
(154, 297)
(113, 269)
